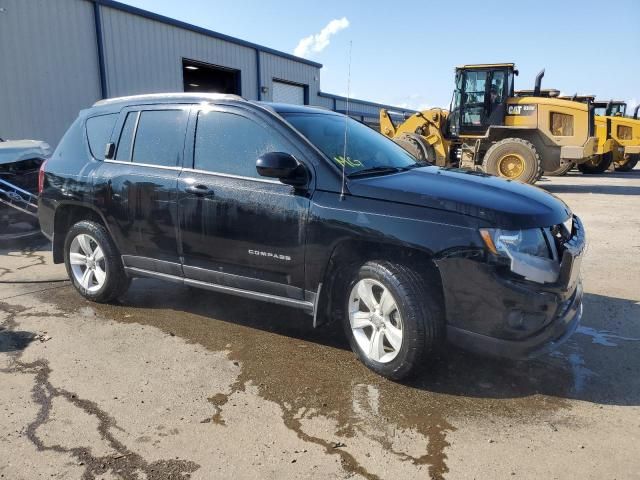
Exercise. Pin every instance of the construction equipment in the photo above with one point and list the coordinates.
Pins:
(618, 137)
(491, 129)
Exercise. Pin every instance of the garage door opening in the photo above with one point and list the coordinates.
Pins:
(203, 77)
(293, 93)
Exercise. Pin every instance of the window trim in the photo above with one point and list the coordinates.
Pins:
(230, 175)
(133, 135)
(164, 167)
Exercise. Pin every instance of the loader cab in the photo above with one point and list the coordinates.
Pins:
(480, 98)
(612, 108)
(617, 109)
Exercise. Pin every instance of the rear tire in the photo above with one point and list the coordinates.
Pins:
(393, 319)
(627, 166)
(513, 159)
(596, 164)
(93, 263)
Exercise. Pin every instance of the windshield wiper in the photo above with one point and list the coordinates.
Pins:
(375, 171)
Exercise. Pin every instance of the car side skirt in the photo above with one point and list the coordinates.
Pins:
(307, 306)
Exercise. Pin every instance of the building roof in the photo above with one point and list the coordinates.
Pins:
(210, 33)
(366, 102)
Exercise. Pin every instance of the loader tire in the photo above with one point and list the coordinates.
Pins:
(627, 165)
(417, 146)
(513, 159)
(596, 164)
(563, 170)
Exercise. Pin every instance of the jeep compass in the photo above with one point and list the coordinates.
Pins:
(311, 209)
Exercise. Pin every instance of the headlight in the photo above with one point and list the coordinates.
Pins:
(528, 252)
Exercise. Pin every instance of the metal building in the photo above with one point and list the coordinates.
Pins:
(60, 56)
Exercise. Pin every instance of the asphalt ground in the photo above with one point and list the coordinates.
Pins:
(176, 383)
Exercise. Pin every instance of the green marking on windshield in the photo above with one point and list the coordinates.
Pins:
(350, 162)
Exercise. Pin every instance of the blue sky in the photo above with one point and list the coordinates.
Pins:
(404, 54)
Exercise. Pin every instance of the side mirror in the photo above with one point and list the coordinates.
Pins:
(109, 151)
(282, 166)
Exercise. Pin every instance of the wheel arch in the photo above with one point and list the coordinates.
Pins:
(348, 255)
(66, 215)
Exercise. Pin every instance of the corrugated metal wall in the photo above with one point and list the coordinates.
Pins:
(145, 56)
(48, 66)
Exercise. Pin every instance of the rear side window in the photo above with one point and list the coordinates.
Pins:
(230, 143)
(99, 133)
(160, 137)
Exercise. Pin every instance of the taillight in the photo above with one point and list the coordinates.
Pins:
(41, 177)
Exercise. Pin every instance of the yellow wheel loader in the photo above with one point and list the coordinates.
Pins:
(490, 129)
(618, 139)
(618, 136)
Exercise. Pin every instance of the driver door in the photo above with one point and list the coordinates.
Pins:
(238, 229)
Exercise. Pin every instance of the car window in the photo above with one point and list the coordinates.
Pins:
(99, 133)
(230, 143)
(160, 137)
(126, 138)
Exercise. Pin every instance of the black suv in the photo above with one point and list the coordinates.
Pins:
(266, 201)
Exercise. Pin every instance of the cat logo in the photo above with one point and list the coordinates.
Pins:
(521, 109)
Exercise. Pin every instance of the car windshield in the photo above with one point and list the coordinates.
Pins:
(367, 150)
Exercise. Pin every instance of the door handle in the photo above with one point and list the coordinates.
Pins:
(199, 190)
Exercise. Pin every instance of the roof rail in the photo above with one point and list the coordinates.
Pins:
(194, 96)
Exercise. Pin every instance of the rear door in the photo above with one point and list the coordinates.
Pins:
(138, 187)
(239, 229)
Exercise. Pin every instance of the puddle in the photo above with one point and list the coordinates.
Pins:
(604, 337)
(312, 374)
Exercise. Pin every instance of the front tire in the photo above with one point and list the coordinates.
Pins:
(417, 146)
(596, 164)
(513, 159)
(93, 263)
(394, 320)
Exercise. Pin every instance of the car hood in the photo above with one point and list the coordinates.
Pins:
(18, 150)
(502, 203)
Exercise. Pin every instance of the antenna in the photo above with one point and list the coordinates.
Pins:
(346, 124)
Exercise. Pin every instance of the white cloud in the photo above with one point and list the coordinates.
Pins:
(319, 41)
(411, 102)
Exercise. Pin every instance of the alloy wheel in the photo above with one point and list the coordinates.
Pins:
(87, 262)
(375, 320)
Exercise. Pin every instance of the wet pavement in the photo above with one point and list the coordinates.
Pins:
(173, 382)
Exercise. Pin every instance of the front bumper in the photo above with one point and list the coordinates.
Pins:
(554, 334)
(491, 312)
(577, 152)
